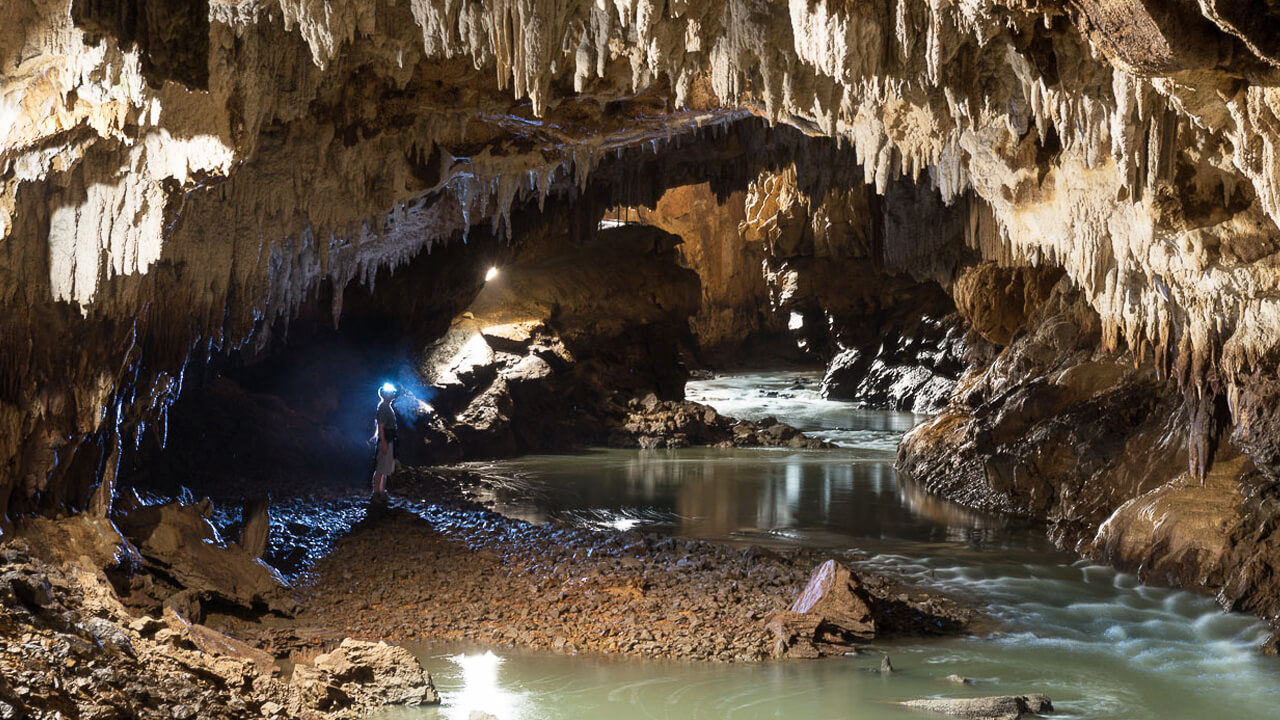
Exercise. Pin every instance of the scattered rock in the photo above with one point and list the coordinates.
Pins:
(498, 581)
(959, 680)
(653, 423)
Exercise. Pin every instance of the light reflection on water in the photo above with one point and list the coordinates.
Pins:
(817, 498)
(1098, 643)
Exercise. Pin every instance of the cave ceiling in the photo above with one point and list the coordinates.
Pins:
(212, 162)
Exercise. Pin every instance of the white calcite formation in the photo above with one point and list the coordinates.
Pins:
(177, 177)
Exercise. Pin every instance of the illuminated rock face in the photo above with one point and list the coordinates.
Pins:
(178, 179)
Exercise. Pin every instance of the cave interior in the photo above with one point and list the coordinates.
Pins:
(1048, 229)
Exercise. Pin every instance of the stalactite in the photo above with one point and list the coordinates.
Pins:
(1069, 151)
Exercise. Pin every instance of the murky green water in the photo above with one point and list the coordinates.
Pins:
(1096, 642)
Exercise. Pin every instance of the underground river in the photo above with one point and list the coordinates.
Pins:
(1092, 639)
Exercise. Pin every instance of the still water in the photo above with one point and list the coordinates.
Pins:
(1099, 644)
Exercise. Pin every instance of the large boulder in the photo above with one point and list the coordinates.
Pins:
(378, 673)
(832, 611)
(179, 544)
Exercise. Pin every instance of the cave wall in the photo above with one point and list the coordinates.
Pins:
(176, 179)
(734, 308)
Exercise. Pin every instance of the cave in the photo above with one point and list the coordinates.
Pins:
(921, 356)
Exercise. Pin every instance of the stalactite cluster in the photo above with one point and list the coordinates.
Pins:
(178, 178)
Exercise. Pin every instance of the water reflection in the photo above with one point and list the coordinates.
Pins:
(1096, 641)
(944, 512)
(478, 689)
(848, 497)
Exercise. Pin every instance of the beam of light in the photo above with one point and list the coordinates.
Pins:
(481, 692)
(491, 274)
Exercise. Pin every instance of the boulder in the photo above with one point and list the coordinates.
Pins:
(794, 634)
(654, 423)
(177, 541)
(831, 612)
(484, 425)
(378, 672)
(1000, 707)
(836, 595)
(846, 372)
(110, 635)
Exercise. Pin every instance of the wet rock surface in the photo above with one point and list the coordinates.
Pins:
(1052, 428)
(913, 367)
(653, 423)
(1123, 465)
(414, 572)
(1003, 707)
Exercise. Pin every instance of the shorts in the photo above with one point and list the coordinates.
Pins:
(385, 461)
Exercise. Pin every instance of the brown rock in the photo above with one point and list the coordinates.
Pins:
(388, 673)
(831, 611)
(836, 595)
(179, 541)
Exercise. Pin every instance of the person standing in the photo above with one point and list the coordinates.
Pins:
(385, 437)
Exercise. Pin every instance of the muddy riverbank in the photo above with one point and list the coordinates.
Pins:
(416, 572)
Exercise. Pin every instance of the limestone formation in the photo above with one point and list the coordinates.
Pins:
(72, 649)
(1002, 707)
(181, 181)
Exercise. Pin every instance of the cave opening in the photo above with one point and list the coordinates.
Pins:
(748, 247)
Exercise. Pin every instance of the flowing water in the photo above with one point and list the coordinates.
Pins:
(1094, 640)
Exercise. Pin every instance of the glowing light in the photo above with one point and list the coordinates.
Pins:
(493, 273)
(795, 322)
(481, 691)
(388, 387)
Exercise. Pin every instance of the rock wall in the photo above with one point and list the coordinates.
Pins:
(554, 345)
(1094, 443)
(180, 179)
(735, 298)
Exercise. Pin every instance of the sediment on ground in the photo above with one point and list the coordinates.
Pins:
(415, 573)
